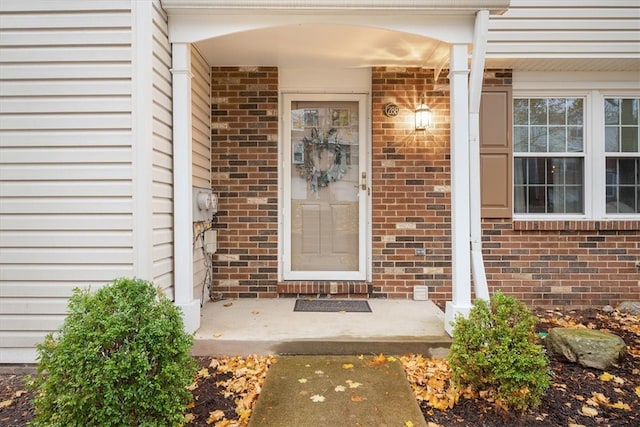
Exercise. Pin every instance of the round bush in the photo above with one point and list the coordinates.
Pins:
(495, 349)
(121, 358)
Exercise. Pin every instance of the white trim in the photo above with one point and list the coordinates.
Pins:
(364, 198)
(142, 125)
(182, 183)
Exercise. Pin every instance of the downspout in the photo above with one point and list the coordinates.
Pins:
(476, 74)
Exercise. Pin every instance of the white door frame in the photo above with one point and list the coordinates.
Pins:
(364, 195)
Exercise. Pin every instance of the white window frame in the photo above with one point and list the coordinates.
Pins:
(594, 150)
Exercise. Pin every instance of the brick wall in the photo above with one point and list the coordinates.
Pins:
(245, 174)
(544, 263)
(410, 186)
(563, 263)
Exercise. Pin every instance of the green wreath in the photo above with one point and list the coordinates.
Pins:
(313, 148)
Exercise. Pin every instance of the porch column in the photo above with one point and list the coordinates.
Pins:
(182, 182)
(460, 253)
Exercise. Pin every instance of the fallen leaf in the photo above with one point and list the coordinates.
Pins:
(606, 376)
(347, 366)
(621, 405)
(203, 373)
(217, 335)
(6, 403)
(408, 423)
(228, 304)
(361, 357)
(319, 372)
(432, 424)
(378, 360)
(358, 398)
(589, 411)
(20, 393)
(353, 384)
(256, 312)
(302, 380)
(391, 359)
(214, 416)
(188, 417)
(575, 425)
(317, 398)
(340, 388)
(638, 391)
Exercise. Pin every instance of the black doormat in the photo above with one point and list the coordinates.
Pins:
(332, 305)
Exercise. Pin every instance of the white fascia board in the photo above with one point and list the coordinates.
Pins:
(623, 80)
(250, 6)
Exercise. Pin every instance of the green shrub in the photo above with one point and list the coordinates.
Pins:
(495, 349)
(121, 358)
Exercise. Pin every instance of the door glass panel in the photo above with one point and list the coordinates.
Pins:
(324, 186)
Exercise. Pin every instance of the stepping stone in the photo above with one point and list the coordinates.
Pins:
(322, 391)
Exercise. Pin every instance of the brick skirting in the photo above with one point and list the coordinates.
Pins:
(349, 289)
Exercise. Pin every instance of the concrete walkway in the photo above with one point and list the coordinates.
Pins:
(270, 326)
(320, 391)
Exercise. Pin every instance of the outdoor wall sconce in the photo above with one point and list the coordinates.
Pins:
(423, 115)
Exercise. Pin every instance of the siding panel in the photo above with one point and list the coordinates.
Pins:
(65, 160)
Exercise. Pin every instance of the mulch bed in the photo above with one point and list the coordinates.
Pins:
(572, 387)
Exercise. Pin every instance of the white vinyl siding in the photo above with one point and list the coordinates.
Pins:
(86, 185)
(201, 148)
(65, 160)
(579, 30)
(162, 173)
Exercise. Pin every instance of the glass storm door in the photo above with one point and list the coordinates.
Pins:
(326, 187)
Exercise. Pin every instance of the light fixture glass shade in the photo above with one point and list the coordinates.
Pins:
(423, 116)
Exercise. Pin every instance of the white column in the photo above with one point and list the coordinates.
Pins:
(182, 182)
(460, 250)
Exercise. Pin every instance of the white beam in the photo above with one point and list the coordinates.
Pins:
(182, 183)
(460, 258)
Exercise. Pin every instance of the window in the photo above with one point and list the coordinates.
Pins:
(576, 156)
(548, 137)
(621, 124)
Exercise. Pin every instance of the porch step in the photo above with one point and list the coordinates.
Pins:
(251, 326)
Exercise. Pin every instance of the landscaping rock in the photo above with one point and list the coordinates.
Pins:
(608, 309)
(587, 347)
(631, 307)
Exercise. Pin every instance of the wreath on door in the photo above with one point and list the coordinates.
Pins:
(324, 159)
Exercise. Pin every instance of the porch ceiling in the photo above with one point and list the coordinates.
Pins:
(318, 45)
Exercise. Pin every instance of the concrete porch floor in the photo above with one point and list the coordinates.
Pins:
(270, 326)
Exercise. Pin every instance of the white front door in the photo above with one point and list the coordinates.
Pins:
(325, 186)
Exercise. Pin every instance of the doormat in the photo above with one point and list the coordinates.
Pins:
(332, 305)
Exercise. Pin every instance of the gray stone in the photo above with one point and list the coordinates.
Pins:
(632, 307)
(607, 309)
(587, 347)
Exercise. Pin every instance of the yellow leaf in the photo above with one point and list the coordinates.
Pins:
(6, 403)
(408, 424)
(347, 365)
(203, 373)
(638, 391)
(589, 411)
(620, 405)
(391, 359)
(302, 380)
(606, 376)
(217, 335)
(189, 417)
(214, 416)
(361, 357)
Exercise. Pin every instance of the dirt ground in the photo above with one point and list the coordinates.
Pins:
(578, 396)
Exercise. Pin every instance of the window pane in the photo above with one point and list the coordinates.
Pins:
(520, 171)
(521, 139)
(521, 111)
(575, 111)
(557, 139)
(536, 171)
(557, 111)
(611, 139)
(575, 143)
(536, 199)
(623, 184)
(611, 112)
(630, 139)
(629, 109)
(538, 112)
(539, 139)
